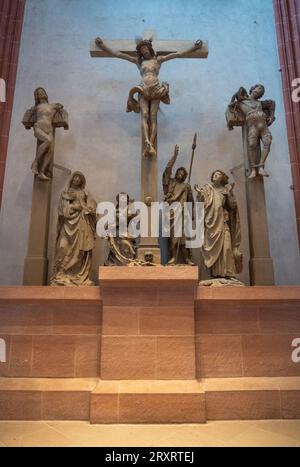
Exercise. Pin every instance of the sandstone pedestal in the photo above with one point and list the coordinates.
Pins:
(261, 267)
(152, 353)
(148, 361)
(36, 261)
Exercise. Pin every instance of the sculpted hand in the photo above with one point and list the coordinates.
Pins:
(270, 120)
(198, 44)
(231, 187)
(176, 151)
(99, 42)
(76, 207)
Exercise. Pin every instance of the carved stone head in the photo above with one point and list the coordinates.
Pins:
(40, 95)
(257, 91)
(148, 256)
(218, 177)
(145, 50)
(181, 174)
(77, 180)
(122, 198)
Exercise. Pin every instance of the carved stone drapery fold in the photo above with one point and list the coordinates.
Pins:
(287, 14)
(11, 21)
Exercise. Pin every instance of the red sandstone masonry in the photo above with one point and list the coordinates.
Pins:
(240, 333)
(287, 14)
(51, 331)
(11, 21)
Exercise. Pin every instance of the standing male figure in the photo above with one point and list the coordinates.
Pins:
(222, 230)
(176, 190)
(258, 116)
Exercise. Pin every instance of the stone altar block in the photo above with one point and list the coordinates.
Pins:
(148, 329)
(148, 359)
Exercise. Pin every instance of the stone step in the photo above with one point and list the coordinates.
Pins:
(252, 398)
(45, 398)
(182, 401)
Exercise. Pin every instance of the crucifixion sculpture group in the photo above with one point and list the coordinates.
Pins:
(148, 55)
(245, 110)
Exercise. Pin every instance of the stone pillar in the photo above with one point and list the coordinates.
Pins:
(36, 261)
(260, 264)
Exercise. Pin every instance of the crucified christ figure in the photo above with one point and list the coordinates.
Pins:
(150, 91)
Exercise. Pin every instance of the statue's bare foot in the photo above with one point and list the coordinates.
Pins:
(152, 151)
(34, 169)
(43, 177)
(149, 150)
(252, 174)
(263, 172)
(172, 261)
(190, 262)
(145, 152)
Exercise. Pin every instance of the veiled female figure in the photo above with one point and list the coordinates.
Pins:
(76, 234)
(222, 230)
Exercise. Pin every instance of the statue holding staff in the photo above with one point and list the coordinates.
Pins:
(177, 193)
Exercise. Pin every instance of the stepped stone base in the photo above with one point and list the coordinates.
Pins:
(149, 346)
(149, 402)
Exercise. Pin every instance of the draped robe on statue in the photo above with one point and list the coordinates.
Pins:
(176, 192)
(76, 233)
(222, 231)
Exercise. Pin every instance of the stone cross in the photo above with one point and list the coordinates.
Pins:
(149, 192)
(160, 47)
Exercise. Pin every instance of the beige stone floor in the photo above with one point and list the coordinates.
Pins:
(222, 433)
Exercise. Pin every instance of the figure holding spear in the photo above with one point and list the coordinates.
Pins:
(178, 192)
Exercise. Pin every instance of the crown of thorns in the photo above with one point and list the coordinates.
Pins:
(146, 42)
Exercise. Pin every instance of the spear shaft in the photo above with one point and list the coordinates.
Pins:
(192, 158)
(194, 145)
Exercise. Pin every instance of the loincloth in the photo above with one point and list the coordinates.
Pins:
(255, 116)
(156, 92)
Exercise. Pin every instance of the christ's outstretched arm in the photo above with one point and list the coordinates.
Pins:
(198, 45)
(114, 53)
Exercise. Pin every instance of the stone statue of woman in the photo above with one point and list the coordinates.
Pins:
(76, 235)
(222, 230)
(150, 92)
(122, 249)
